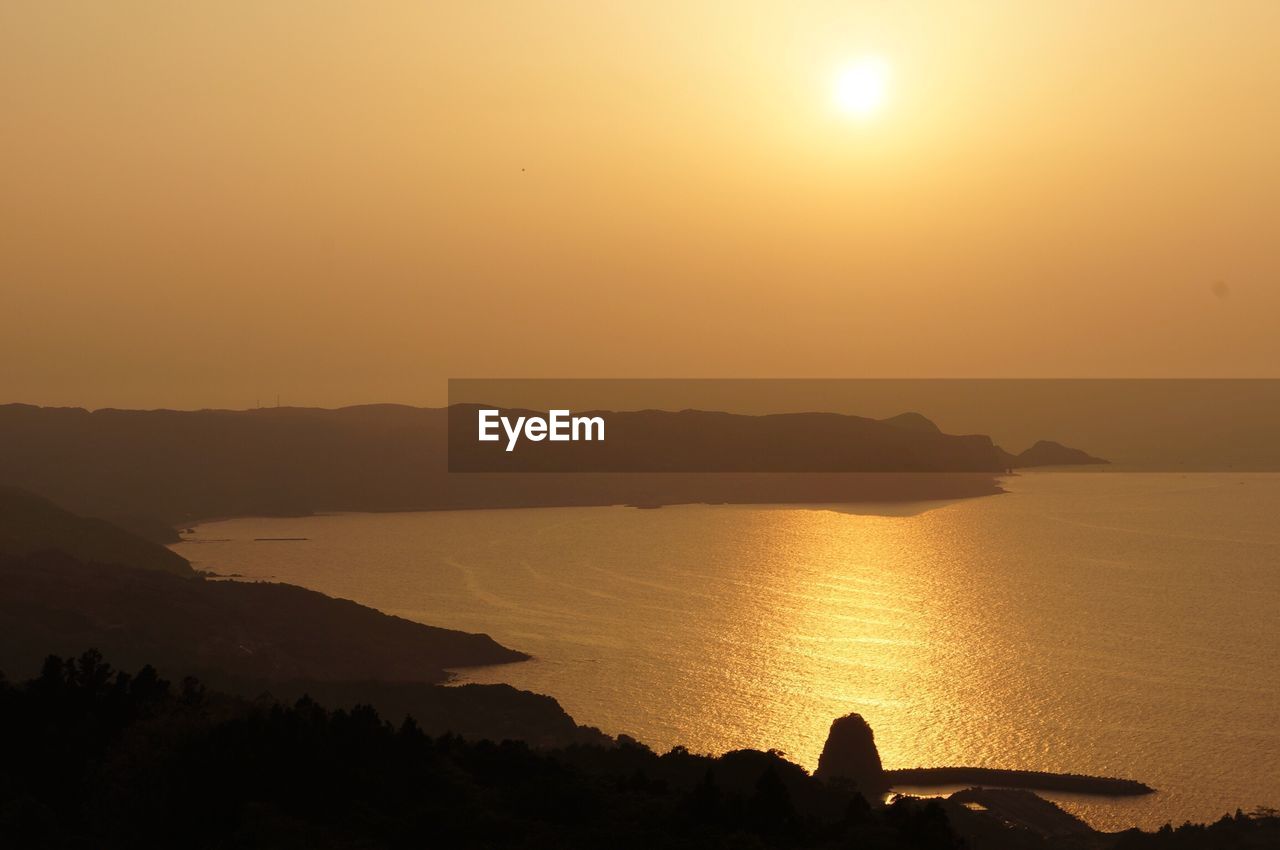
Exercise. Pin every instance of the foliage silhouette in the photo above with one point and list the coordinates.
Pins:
(94, 757)
(97, 757)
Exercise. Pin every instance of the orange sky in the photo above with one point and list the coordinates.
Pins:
(211, 203)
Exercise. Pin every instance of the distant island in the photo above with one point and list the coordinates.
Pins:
(1049, 453)
(704, 441)
(149, 471)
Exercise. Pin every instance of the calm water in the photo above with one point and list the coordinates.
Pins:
(1115, 624)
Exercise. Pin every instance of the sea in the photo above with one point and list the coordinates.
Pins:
(1115, 624)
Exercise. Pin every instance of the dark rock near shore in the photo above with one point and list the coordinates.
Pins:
(850, 753)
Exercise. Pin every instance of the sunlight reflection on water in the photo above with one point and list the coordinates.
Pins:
(1116, 624)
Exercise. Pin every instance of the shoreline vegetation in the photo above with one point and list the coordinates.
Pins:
(99, 757)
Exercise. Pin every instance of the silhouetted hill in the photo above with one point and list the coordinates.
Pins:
(260, 638)
(73, 581)
(30, 524)
(177, 465)
(713, 442)
(913, 421)
(181, 466)
(51, 601)
(148, 528)
(1049, 453)
(246, 638)
(476, 712)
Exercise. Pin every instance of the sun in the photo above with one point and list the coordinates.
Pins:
(862, 87)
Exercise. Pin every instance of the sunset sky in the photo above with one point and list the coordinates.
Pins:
(212, 203)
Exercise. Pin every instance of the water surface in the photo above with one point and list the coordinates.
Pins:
(1113, 624)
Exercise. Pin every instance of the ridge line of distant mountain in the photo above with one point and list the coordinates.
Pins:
(135, 467)
(695, 440)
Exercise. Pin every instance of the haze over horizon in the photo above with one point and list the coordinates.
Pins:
(209, 205)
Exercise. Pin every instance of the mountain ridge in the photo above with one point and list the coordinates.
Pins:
(180, 467)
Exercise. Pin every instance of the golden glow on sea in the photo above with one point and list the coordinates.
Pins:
(854, 624)
(1085, 623)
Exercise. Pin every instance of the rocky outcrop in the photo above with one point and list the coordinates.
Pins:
(850, 753)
